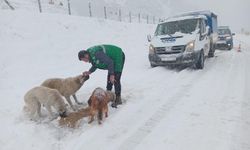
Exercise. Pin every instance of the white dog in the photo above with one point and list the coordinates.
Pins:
(47, 97)
(67, 87)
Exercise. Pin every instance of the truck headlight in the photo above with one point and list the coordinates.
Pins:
(190, 47)
(151, 49)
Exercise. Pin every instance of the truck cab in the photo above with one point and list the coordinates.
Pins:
(181, 40)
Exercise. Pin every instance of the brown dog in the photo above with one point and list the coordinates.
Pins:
(72, 119)
(98, 103)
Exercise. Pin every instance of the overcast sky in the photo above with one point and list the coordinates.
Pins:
(234, 13)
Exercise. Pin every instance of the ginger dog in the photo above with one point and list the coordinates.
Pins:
(98, 103)
(72, 119)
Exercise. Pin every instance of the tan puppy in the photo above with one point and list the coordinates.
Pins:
(72, 119)
(38, 96)
(67, 87)
(98, 103)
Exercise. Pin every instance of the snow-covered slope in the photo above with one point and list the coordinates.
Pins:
(163, 108)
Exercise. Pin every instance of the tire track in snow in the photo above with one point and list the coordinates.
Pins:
(240, 138)
(136, 138)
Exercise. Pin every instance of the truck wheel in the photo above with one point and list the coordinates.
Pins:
(152, 65)
(231, 47)
(200, 62)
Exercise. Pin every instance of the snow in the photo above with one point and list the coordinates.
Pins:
(163, 108)
(179, 18)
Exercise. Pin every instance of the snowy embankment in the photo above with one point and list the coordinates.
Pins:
(163, 109)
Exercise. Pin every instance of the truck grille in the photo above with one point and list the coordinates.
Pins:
(172, 50)
(222, 38)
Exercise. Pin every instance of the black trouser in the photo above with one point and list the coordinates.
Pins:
(117, 83)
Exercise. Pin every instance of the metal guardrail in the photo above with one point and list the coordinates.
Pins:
(110, 13)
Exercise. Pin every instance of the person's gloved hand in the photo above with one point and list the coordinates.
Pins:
(86, 73)
(112, 79)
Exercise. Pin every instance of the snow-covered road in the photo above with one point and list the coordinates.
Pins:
(190, 109)
(163, 108)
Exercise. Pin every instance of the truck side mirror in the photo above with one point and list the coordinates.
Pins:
(233, 34)
(149, 38)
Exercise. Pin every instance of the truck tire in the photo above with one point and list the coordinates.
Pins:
(201, 60)
(231, 47)
(152, 65)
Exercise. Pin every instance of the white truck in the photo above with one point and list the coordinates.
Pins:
(185, 39)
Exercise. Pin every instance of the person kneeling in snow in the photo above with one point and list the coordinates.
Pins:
(107, 57)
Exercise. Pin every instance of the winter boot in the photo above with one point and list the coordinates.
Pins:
(117, 101)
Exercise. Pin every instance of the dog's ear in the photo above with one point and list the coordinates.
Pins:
(89, 100)
(85, 77)
(81, 79)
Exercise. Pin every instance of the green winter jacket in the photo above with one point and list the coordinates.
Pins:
(113, 52)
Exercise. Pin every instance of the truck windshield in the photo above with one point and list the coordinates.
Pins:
(223, 31)
(183, 26)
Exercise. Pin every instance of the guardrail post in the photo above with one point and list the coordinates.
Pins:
(69, 9)
(105, 12)
(11, 7)
(90, 12)
(120, 15)
(130, 17)
(40, 6)
(139, 18)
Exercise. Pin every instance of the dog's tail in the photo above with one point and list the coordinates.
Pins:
(25, 109)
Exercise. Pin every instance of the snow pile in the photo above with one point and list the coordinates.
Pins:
(162, 108)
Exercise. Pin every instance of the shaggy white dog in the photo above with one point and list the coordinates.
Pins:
(43, 96)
